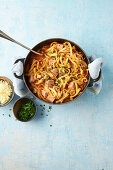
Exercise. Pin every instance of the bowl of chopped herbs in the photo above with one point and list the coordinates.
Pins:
(24, 109)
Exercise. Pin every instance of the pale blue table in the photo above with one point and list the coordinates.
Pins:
(81, 136)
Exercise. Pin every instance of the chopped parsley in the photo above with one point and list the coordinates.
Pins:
(26, 111)
(50, 125)
(58, 81)
(60, 70)
(43, 108)
(9, 115)
(45, 67)
(50, 107)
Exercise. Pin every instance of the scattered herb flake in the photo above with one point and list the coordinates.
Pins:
(50, 107)
(58, 81)
(50, 125)
(9, 115)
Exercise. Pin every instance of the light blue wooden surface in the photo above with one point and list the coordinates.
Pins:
(81, 136)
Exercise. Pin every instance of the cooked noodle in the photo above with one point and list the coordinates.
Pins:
(59, 75)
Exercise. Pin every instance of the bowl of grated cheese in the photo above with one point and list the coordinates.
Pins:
(6, 91)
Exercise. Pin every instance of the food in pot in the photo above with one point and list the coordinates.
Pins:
(5, 92)
(59, 75)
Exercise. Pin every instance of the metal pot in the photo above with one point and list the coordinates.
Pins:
(46, 42)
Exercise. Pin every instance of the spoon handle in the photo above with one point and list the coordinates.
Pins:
(3, 35)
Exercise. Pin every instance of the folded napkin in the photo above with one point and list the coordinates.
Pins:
(17, 70)
(95, 70)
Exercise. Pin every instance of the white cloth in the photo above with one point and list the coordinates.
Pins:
(94, 69)
(18, 68)
(19, 86)
(95, 66)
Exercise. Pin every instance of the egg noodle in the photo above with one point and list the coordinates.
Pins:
(59, 75)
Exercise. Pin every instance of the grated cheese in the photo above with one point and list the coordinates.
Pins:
(5, 92)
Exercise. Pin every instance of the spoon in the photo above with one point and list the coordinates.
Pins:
(3, 35)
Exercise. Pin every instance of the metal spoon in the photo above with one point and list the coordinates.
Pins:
(3, 35)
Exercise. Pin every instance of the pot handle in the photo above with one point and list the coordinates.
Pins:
(95, 69)
(94, 80)
(22, 60)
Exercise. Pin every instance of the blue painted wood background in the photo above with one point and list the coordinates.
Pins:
(81, 136)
